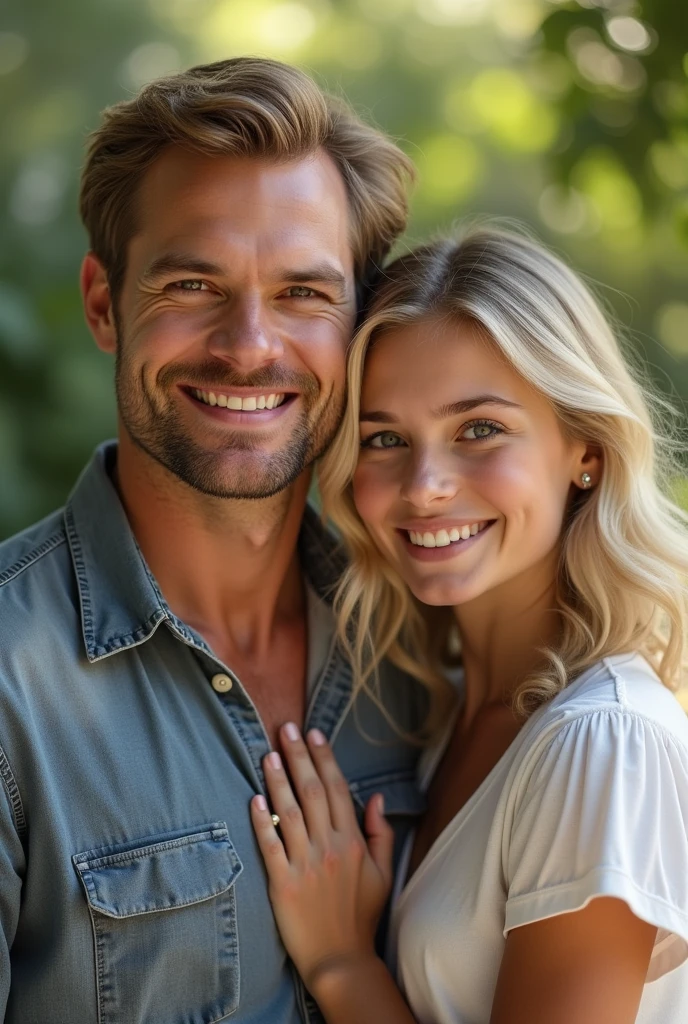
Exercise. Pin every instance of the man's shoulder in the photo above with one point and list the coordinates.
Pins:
(35, 567)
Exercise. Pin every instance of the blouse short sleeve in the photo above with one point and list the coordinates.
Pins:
(604, 812)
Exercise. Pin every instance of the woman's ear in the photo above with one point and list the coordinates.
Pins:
(95, 292)
(588, 467)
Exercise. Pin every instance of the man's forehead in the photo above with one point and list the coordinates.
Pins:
(284, 209)
(243, 187)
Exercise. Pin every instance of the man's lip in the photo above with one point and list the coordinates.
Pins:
(236, 392)
(241, 417)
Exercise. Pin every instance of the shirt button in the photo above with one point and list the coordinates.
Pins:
(221, 683)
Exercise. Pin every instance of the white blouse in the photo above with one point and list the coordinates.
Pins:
(590, 799)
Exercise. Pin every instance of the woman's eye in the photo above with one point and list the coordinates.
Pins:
(481, 431)
(385, 439)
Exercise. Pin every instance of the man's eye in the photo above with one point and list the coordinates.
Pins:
(299, 291)
(481, 430)
(190, 285)
(384, 439)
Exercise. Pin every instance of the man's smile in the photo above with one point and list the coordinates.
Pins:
(240, 408)
(240, 404)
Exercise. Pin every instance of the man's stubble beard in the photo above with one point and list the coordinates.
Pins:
(155, 427)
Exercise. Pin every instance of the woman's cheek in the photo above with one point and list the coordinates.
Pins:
(526, 491)
(372, 494)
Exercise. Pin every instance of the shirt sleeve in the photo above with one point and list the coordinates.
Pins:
(604, 812)
(11, 868)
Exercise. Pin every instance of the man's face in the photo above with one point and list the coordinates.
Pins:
(234, 317)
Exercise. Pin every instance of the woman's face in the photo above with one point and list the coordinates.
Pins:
(464, 473)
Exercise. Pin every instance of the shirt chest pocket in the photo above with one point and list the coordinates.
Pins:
(163, 912)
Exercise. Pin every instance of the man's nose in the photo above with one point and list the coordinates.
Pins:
(247, 337)
(430, 478)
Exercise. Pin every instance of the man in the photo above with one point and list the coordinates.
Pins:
(157, 632)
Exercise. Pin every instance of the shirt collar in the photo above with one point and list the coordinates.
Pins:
(121, 603)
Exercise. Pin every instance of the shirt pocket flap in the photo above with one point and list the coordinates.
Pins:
(159, 873)
(400, 790)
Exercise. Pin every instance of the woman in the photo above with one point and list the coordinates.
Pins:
(498, 458)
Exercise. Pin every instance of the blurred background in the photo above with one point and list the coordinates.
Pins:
(571, 116)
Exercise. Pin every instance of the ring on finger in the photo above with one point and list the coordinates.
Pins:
(275, 819)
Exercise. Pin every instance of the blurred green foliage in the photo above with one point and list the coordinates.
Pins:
(572, 116)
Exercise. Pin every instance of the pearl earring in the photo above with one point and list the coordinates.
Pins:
(586, 480)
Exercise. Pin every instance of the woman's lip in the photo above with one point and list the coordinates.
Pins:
(442, 554)
(435, 525)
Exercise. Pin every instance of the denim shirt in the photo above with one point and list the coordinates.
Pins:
(131, 886)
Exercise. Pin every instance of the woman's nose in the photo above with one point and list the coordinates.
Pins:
(429, 480)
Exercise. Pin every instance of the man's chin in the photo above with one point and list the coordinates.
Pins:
(245, 466)
(240, 487)
(244, 475)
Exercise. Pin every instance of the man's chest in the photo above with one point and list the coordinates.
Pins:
(136, 775)
(278, 699)
(275, 683)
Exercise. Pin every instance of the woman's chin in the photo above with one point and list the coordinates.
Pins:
(441, 593)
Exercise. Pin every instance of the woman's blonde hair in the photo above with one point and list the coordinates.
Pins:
(624, 551)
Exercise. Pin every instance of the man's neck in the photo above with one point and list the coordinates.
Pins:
(228, 568)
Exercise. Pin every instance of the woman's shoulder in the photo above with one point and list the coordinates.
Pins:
(600, 805)
(617, 687)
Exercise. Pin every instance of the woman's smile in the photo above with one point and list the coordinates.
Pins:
(432, 542)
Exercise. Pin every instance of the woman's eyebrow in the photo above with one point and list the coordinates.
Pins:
(443, 412)
(468, 404)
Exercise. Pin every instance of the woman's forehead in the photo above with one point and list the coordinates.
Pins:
(438, 350)
(440, 362)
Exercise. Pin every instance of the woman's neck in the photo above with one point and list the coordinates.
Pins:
(503, 634)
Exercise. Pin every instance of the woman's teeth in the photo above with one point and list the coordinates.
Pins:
(239, 404)
(442, 538)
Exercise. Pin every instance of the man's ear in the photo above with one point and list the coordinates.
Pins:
(95, 292)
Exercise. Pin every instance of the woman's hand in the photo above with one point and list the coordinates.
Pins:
(327, 883)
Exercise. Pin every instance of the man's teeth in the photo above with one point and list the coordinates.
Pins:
(240, 404)
(442, 538)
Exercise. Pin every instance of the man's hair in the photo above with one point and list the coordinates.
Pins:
(248, 107)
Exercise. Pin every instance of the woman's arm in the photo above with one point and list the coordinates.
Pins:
(365, 994)
(584, 967)
(328, 884)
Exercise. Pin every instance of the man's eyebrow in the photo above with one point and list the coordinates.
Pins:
(187, 263)
(443, 412)
(180, 263)
(318, 273)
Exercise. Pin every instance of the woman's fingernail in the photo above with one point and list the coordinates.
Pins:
(274, 760)
(317, 738)
(291, 731)
(381, 803)
(260, 803)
